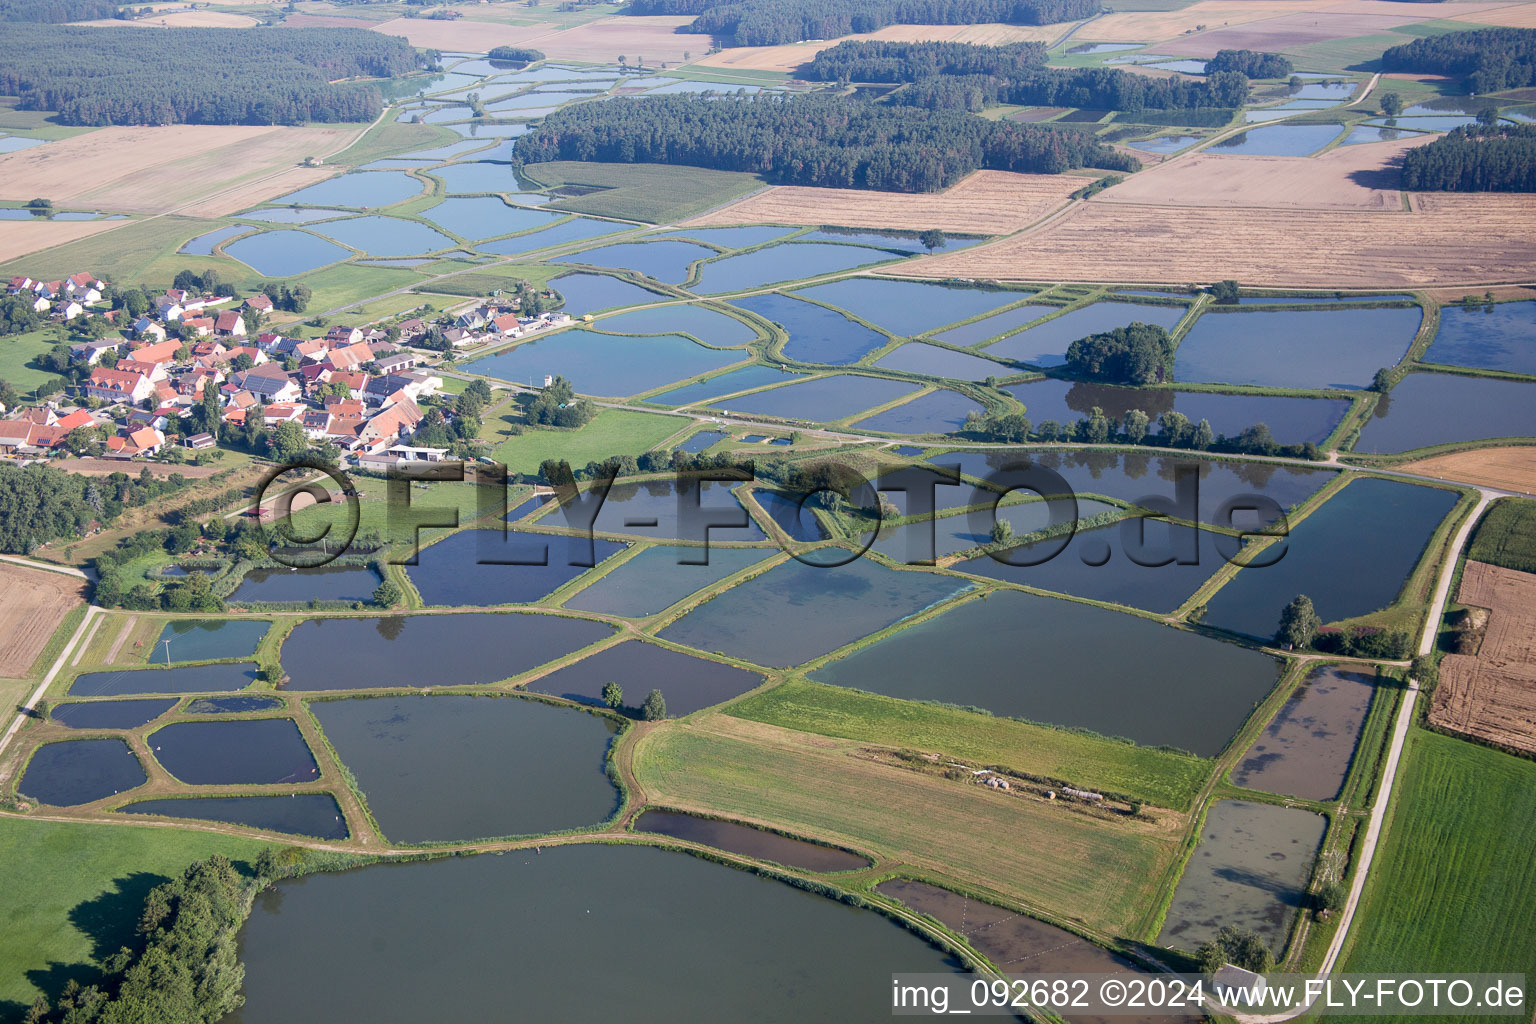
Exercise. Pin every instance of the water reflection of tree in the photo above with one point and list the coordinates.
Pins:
(1117, 402)
(1383, 405)
(391, 626)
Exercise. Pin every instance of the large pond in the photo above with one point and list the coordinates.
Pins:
(767, 951)
(938, 412)
(744, 379)
(1249, 871)
(605, 364)
(1293, 348)
(486, 216)
(1045, 659)
(650, 509)
(910, 542)
(706, 325)
(686, 682)
(1307, 749)
(456, 768)
(191, 679)
(1439, 408)
(1290, 420)
(268, 750)
(323, 583)
(661, 261)
(285, 253)
(749, 841)
(790, 261)
(476, 176)
(588, 293)
(910, 308)
(207, 639)
(1278, 140)
(387, 236)
(992, 326)
(479, 567)
(1350, 557)
(300, 814)
(816, 334)
(1046, 345)
(80, 771)
(203, 244)
(657, 578)
(795, 612)
(238, 705)
(732, 238)
(822, 400)
(1501, 337)
(110, 714)
(375, 188)
(942, 362)
(428, 650)
(574, 230)
(902, 242)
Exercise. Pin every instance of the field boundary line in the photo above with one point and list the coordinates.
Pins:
(24, 712)
(45, 566)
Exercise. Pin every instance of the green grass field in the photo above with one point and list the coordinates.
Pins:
(349, 283)
(70, 894)
(1507, 535)
(17, 350)
(1168, 780)
(1454, 883)
(392, 137)
(653, 193)
(612, 432)
(140, 251)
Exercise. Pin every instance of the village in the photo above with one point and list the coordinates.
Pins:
(168, 383)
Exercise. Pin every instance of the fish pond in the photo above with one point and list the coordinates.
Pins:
(291, 215)
(301, 814)
(1046, 344)
(80, 771)
(573, 230)
(1249, 871)
(731, 238)
(1426, 409)
(822, 400)
(778, 954)
(359, 190)
(688, 683)
(662, 261)
(606, 364)
(910, 542)
(706, 325)
(938, 412)
(428, 650)
(748, 841)
(485, 216)
(231, 705)
(795, 612)
(1351, 557)
(267, 750)
(454, 768)
(207, 639)
(323, 583)
(1501, 337)
(1165, 143)
(191, 679)
(588, 293)
(203, 244)
(790, 261)
(910, 308)
(816, 334)
(1045, 659)
(388, 236)
(1307, 749)
(1278, 140)
(744, 379)
(657, 578)
(990, 327)
(488, 567)
(1294, 348)
(285, 253)
(477, 176)
(1290, 420)
(701, 441)
(933, 361)
(109, 714)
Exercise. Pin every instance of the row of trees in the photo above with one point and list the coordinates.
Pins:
(1490, 58)
(1174, 430)
(830, 141)
(98, 76)
(1252, 63)
(39, 504)
(961, 76)
(1476, 158)
(774, 22)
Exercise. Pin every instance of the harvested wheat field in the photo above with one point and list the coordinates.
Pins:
(1508, 469)
(160, 169)
(1346, 178)
(463, 34)
(1492, 695)
(297, 20)
(180, 19)
(1155, 26)
(1509, 16)
(23, 237)
(984, 203)
(789, 57)
(601, 42)
(1453, 239)
(1274, 34)
(32, 604)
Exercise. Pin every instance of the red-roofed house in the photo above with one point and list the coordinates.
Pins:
(158, 352)
(341, 336)
(78, 418)
(143, 441)
(392, 424)
(117, 386)
(315, 349)
(229, 324)
(260, 303)
(154, 371)
(349, 358)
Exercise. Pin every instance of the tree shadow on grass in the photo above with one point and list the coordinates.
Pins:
(11, 1012)
(110, 920)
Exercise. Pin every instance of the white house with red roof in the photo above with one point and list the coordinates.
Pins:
(117, 386)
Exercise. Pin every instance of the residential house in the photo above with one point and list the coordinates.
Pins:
(200, 441)
(130, 364)
(229, 324)
(471, 320)
(159, 352)
(390, 426)
(144, 327)
(141, 442)
(506, 324)
(397, 363)
(282, 412)
(90, 352)
(202, 326)
(71, 309)
(260, 303)
(316, 349)
(340, 336)
(169, 310)
(412, 330)
(268, 382)
(118, 386)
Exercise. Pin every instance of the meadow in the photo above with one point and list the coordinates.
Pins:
(1507, 535)
(612, 432)
(653, 193)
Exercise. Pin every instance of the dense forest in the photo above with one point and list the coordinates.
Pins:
(962, 76)
(99, 76)
(54, 12)
(774, 22)
(1490, 58)
(1476, 158)
(1138, 354)
(1249, 62)
(516, 54)
(39, 504)
(810, 140)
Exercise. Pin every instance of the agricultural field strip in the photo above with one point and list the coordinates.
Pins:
(21, 713)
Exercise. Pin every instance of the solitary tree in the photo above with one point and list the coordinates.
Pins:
(1391, 104)
(1331, 896)
(932, 239)
(1136, 423)
(655, 707)
(613, 695)
(1298, 623)
(387, 594)
(1241, 947)
(1002, 531)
